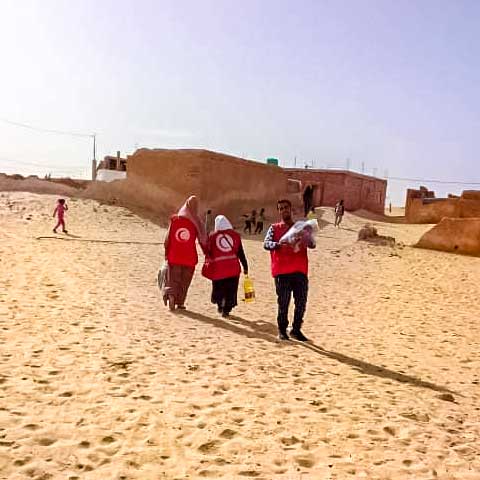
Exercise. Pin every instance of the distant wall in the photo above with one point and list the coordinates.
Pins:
(357, 191)
(432, 210)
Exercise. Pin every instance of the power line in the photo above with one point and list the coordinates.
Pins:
(424, 180)
(42, 165)
(93, 136)
(48, 130)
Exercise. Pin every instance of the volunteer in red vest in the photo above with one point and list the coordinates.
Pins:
(290, 271)
(222, 264)
(181, 253)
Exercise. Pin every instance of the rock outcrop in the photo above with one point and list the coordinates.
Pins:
(369, 233)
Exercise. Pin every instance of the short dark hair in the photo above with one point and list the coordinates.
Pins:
(284, 200)
(209, 211)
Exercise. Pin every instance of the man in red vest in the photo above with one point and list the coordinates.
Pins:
(290, 271)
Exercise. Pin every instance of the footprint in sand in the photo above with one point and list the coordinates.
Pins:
(209, 473)
(289, 441)
(108, 440)
(46, 442)
(31, 426)
(22, 461)
(249, 473)
(390, 430)
(228, 434)
(306, 461)
(209, 447)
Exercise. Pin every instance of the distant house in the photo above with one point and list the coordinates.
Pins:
(111, 168)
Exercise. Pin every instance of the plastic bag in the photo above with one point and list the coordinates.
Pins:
(301, 234)
(248, 289)
(162, 273)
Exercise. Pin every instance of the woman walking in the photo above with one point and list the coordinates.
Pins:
(222, 265)
(181, 253)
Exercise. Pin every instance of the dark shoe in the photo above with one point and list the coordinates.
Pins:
(225, 314)
(283, 336)
(181, 307)
(54, 231)
(219, 309)
(65, 231)
(298, 335)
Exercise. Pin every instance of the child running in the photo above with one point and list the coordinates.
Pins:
(60, 212)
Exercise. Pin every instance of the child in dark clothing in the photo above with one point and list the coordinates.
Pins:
(260, 221)
(248, 225)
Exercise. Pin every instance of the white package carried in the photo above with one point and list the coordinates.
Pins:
(301, 234)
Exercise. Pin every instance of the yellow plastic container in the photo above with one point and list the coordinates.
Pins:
(248, 289)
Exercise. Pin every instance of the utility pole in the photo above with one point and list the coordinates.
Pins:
(363, 167)
(94, 161)
(295, 161)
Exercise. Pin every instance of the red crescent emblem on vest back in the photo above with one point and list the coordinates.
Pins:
(224, 243)
(182, 235)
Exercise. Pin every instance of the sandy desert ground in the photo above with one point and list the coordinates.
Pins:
(99, 381)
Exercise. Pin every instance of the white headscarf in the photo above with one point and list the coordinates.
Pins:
(222, 223)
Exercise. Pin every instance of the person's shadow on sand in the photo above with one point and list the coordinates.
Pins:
(268, 332)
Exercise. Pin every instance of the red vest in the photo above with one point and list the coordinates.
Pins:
(181, 248)
(222, 255)
(284, 259)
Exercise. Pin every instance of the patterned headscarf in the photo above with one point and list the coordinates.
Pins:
(189, 210)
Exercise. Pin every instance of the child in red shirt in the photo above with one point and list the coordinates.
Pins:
(60, 212)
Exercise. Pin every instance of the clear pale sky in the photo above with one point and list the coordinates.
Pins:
(392, 84)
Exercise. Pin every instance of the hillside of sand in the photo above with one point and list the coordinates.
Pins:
(99, 381)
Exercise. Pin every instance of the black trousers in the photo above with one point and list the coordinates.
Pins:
(224, 293)
(259, 228)
(286, 284)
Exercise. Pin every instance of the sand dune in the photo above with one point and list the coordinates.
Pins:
(99, 381)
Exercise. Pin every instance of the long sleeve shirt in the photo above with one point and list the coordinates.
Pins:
(243, 259)
(269, 243)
